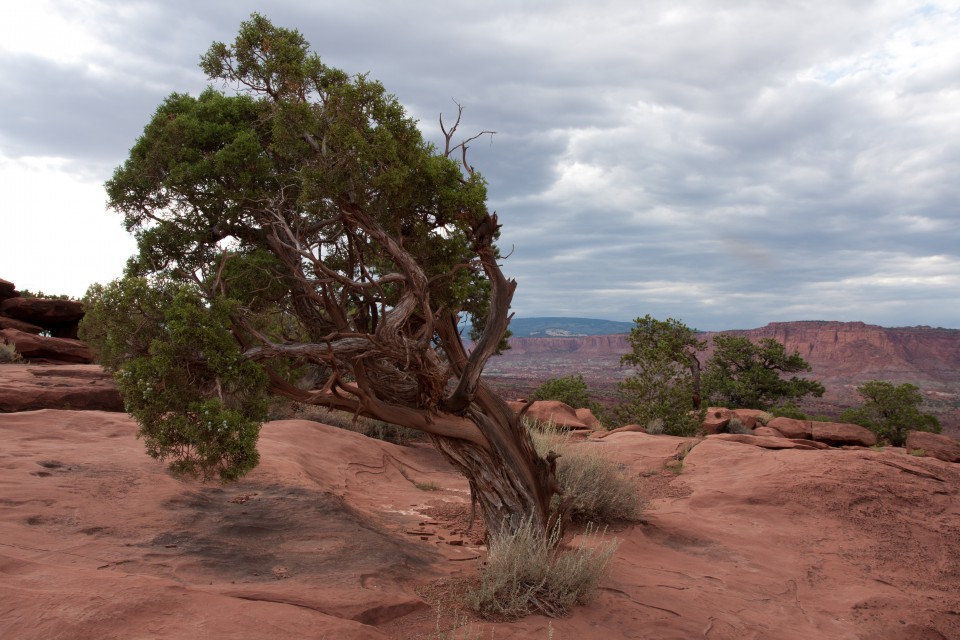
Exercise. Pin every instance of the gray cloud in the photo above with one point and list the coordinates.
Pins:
(729, 164)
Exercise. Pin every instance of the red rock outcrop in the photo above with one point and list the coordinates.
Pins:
(586, 417)
(767, 431)
(934, 445)
(19, 325)
(63, 386)
(552, 412)
(716, 420)
(7, 289)
(582, 345)
(331, 537)
(37, 347)
(840, 434)
(43, 311)
(41, 329)
(792, 428)
(765, 442)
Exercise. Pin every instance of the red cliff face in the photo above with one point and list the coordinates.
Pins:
(864, 352)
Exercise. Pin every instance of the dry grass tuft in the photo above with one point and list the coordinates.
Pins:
(595, 488)
(9, 354)
(526, 573)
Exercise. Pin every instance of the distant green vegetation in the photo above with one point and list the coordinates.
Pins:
(664, 389)
(571, 390)
(749, 375)
(891, 411)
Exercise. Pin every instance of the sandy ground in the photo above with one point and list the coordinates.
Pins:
(336, 535)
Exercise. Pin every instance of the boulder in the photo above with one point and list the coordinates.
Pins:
(7, 290)
(934, 445)
(749, 417)
(586, 416)
(839, 434)
(65, 386)
(36, 347)
(552, 411)
(716, 420)
(792, 428)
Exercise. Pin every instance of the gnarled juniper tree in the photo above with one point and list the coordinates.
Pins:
(299, 237)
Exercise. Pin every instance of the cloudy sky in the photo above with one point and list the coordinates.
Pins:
(725, 163)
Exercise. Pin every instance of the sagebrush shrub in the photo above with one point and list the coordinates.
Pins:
(527, 572)
(595, 489)
(736, 426)
(9, 354)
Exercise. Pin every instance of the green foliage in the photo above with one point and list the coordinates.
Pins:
(789, 410)
(747, 375)
(665, 383)
(595, 489)
(526, 572)
(263, 220)
(199, 404)
(9, 354)
(571, 390)
(891, 411)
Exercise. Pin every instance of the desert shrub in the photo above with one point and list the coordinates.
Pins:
(595, 489)
(9, 354)
(765, 417)
(526, 572)
(736, 426)
(655, 427)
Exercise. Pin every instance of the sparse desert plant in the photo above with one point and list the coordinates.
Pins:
(918, 452)
(427, 486)
(595, 489)
(655, 427)
(735, 425)
(765, 417)
(9, 354)
(527, 572)
(675, 464)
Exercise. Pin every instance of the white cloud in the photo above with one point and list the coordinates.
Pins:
(727, 164)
